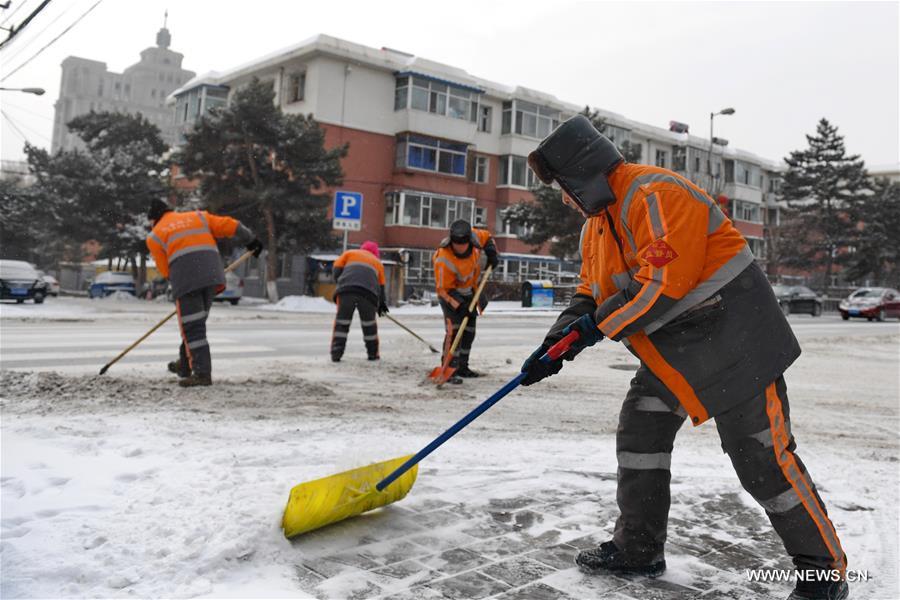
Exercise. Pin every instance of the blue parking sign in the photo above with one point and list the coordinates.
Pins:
(347, 210)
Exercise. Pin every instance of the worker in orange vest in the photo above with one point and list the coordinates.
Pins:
(667, 273)
(183, 244)
(360, 287)
(457, 271)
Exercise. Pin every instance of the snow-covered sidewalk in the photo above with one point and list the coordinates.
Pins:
(129, 486)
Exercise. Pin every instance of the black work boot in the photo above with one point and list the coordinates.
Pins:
(336, 356)
(374, 357)
(820, 590)
(175, 367)
(455, 379)
(195, 380)
(608, 557)
(465, 371)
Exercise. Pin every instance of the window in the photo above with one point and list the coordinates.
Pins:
(617, 135)
(679, 158)
(414, 209)
(535, 121)
(661, 158)
(420, 269)
(429, 154)
(746, 211)
(506, 126)
(401, 93)
(514, 170)
(481, 169)
(480, 217)
(484, 118)
(296, 87)
(696, 164)
(437, 98)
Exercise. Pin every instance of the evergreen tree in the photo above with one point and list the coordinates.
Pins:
(268, 169)
(101, 192)
(823, 187)
(548, 218)
(876, 251)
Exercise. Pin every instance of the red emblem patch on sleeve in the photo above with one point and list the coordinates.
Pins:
(659, 254)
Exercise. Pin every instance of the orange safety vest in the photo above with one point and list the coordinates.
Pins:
(668, 243)
(461, 274)
(179, 233)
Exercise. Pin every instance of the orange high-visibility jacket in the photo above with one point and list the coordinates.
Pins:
(662, 252)
(361, 271)
(183, 244)
(460, 274)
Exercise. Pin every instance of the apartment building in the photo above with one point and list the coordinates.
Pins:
(430, 143)
(87, 85)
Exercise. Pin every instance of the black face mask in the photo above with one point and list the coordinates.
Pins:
(579, 158)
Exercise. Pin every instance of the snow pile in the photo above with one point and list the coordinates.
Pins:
(307, 304)
(119, 296)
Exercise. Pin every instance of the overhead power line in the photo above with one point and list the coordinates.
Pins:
(14, 126)
(23, 46)
(14, 31)
(34, 134)
(13, 13)
(51, 42)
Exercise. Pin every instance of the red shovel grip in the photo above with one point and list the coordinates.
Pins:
(561, 347)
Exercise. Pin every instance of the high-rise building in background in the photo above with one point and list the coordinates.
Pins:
(87, 85)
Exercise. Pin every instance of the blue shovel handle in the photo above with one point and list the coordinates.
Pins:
(555, 351)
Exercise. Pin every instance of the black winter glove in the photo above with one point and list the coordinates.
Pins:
(255, 247)
(589, 335)
(493, 259)
(479, 307)
(383, 309)
(536, 370)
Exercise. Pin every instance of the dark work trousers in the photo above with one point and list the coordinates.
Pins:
(193, 310)
(452, 321)
(757, 437)
(347, 302)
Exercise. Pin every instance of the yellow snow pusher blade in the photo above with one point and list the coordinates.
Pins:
(331, 499)
(334, 498)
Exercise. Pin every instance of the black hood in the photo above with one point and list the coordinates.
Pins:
(580, 158)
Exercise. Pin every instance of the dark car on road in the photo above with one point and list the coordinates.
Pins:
(20, 281)
(797, 299)
(874, 304)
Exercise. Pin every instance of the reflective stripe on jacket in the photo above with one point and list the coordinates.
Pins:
(361, 271)
(452, 273)
(663, 249)
(183, 244)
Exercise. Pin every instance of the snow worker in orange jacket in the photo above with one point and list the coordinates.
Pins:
(183, 244)
(666, 272)
(360, 287)
(457, 271)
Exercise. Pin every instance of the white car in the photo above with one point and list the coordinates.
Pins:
(234, 289)
(52, 283)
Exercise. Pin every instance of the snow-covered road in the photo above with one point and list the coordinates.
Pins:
(126, 485)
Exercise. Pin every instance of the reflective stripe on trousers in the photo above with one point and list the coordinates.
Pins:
(347, 304)
(193, 310)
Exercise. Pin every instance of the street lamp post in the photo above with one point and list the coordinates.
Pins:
(724, 111)
(27, 90)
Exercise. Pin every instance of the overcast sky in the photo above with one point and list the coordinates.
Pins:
(781, 65)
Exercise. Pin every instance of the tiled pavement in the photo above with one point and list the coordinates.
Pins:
(463, 543)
